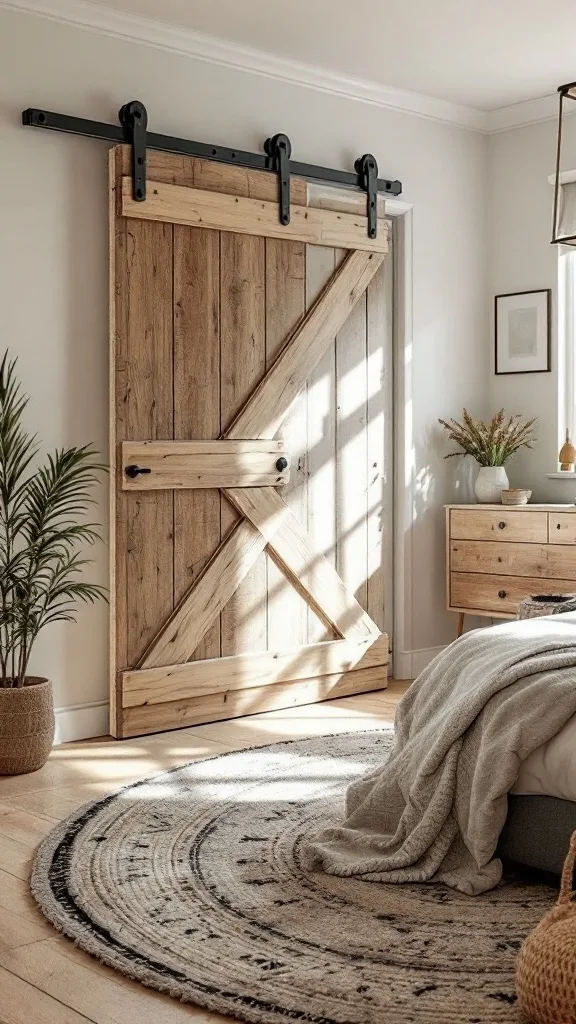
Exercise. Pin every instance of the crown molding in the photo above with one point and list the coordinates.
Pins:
(133, 28)
(517, 115)
(137, 29)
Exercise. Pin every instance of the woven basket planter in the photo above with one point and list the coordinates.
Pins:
(26, 726)
(546, 968)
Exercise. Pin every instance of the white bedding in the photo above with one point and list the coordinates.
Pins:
(551, 769)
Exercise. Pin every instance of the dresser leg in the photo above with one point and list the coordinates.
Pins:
(460, 623)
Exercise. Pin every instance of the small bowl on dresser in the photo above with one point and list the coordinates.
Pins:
(516, 496)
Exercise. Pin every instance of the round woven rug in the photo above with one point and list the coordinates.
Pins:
(192, 883)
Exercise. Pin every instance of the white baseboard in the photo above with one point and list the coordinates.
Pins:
(409, 664)
(86, 721)
(82, 722)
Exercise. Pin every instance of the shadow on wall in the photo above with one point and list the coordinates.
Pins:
(438, 481)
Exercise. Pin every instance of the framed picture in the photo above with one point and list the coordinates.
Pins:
(523, 332)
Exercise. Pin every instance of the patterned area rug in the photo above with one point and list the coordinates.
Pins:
(192, 883)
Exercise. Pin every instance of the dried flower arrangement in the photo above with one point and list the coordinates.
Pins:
(493, 443)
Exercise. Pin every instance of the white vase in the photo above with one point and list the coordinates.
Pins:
(490, 483)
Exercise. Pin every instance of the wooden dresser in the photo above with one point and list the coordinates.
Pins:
(497, 554)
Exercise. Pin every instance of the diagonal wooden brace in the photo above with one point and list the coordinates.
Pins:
(309, 572)
(269, 522)
(304, 348)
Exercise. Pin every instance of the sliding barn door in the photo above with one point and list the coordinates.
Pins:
(247, 518)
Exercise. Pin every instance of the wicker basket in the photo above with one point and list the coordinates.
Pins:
(26, 726)
(544, 604)
(546, 968)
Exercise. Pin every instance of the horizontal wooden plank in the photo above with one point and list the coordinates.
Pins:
(177, 204)
(305, 346)
(214, 176)
(498, 524)
(203, 464)
(242, 671)
(177, 714)
(23, 1004)
(309, 572)
(550, 561)
(181, 634)
(499, 594)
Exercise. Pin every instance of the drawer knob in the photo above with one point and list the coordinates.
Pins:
(558, 527)
(502, 594)
(502, 525)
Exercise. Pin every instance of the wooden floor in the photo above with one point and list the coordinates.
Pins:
(44, 979)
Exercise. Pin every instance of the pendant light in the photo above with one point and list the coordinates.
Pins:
(564, 216)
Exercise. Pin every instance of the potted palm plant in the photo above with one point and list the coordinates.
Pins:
(42, 531)
(492, 445)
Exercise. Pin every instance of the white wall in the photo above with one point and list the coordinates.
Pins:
(53, 253)
(520, 258)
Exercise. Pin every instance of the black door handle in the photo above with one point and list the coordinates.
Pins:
(134, 471)
(281, 464)
(502, 594)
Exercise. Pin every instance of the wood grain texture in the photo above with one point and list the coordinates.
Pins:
(210, 594)
(51, 981)
(562, 528)
(213, 707)
(203, 464)
(285, 306)
(60, 970)
(321, 426)
(242, 671)
(546, 561)
(211, 176)
(23, 1003)
(143, 401)
(498, 594)
(197, 530)
(243, 364)
(175, 204)
(271, 399)
(352, 452)
(211, 340)
(15, 858)
(290, 546)
(499, 524)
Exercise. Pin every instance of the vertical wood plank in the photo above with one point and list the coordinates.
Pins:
(285, 305)
(321, 428)
(196, 403)
(143, 403)
(352, 454)
(243, 364)
(379, 446)
(145, 409)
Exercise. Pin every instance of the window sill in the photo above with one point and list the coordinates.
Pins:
(570, 475)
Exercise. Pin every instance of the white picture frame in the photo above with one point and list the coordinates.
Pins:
(522, 335)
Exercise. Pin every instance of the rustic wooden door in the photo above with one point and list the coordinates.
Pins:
(227, 329)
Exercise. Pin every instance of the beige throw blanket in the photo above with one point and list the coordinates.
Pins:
(434, 811)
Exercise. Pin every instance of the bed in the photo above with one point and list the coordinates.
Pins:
(542, 805)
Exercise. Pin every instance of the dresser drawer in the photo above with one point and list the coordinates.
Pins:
(562, 527)
(547, 561)
(499, 595)
(492, 524)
